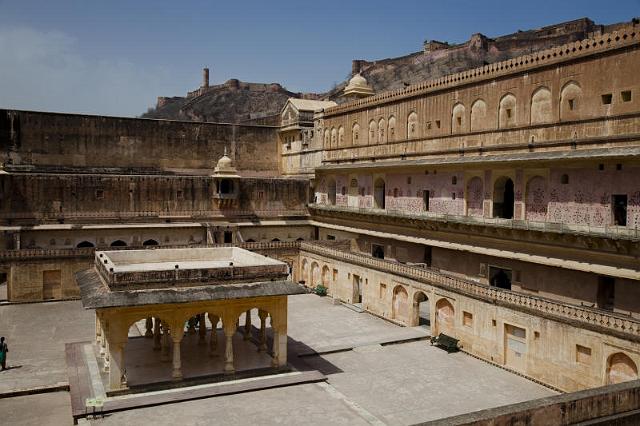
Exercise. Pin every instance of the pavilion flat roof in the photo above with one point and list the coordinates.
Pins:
(159, 276)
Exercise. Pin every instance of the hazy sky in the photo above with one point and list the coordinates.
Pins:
(115, 57)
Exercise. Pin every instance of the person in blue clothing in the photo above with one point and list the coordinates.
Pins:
(3, 353)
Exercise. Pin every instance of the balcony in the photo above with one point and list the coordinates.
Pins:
(613, 323)
(617, 232)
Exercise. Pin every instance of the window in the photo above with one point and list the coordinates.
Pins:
(583, 354)
(409, 180)
(467, 319)
(618, 166)
(425, 200)
(179, 195)
(564, 179)
(619, 205)
(459, 119)
(428, 125)
(606, 99)
(571, 103)
(625, 95)
(453, 195)
(99, 194)
(508, 112)
(454, 180)
(438, 124)
(331, 237)
(600, 166)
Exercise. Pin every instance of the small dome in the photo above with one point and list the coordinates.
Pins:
(358, 87)
(225, 166)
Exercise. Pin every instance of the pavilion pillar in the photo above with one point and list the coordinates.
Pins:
(229, 326)
(117, 373)
(98, 329)
(247, 325)
(176, 337)
(279, 327)
(164, 354)
(148, 325)
(262, 345)
(156, 334)
(213, 340)
(202, 329)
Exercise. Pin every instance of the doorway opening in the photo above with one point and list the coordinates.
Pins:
(619, 205)
(377, 251)
(606, 293)
(357, 290)
(425, 200)
(421, 309)
(503, 198)
(378, 194)
(500, 277)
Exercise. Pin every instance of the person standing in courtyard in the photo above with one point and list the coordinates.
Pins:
(3, 353)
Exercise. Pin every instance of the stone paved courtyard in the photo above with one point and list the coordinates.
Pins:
(399, 383)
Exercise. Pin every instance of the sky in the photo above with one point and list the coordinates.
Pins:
(115, 57)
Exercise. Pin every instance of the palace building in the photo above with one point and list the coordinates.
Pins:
(499, 205)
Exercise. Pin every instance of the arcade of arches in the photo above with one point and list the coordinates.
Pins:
(499, 334)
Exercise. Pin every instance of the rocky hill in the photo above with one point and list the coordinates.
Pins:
(236, 101)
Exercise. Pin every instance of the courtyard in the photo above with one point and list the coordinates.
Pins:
(377, 373)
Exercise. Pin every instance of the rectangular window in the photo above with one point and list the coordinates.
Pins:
(467, 319)
(99, 194)
(508, 112)
(583, 354)
(571, 104)
(335, 275)
(607, 98)
(331, 237)
(626, 95)
(377, 251)
(438, 124)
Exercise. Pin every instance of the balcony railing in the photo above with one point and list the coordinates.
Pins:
(10, 255)
(529, 225)
(616, 323)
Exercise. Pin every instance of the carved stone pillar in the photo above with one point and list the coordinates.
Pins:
(156, 334)
(177, 364)
(213, 339)
(229, 326)
(148, 324)
(262, 346)
(247, 325)
(117, 373)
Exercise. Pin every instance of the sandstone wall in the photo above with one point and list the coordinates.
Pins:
(72, 141)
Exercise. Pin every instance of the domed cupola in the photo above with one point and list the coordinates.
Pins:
(358, 87)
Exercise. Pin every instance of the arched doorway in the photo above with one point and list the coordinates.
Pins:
(315, 274)
(378, 194)
(150, 242)
(620, 368)
(325, 276)
(444, 317)
(421, 310)
(331, 191)
(118, 243)
(85, 244)
(305, 272)
(503, 198)
(400, 304)
(356, 297)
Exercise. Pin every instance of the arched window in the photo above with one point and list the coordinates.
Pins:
(373, 130)
(341, 136)
(479, 115)
(541, 108)
(457, 118)
(85, 244)
(391, 133)
(507, 111)
(275, 240)
(150, 242)
(412, 125)
(355, 134)
(250, 240)
(570, 101)
(382, 128)
(334, 138)
(118, 243)
(327, 139)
